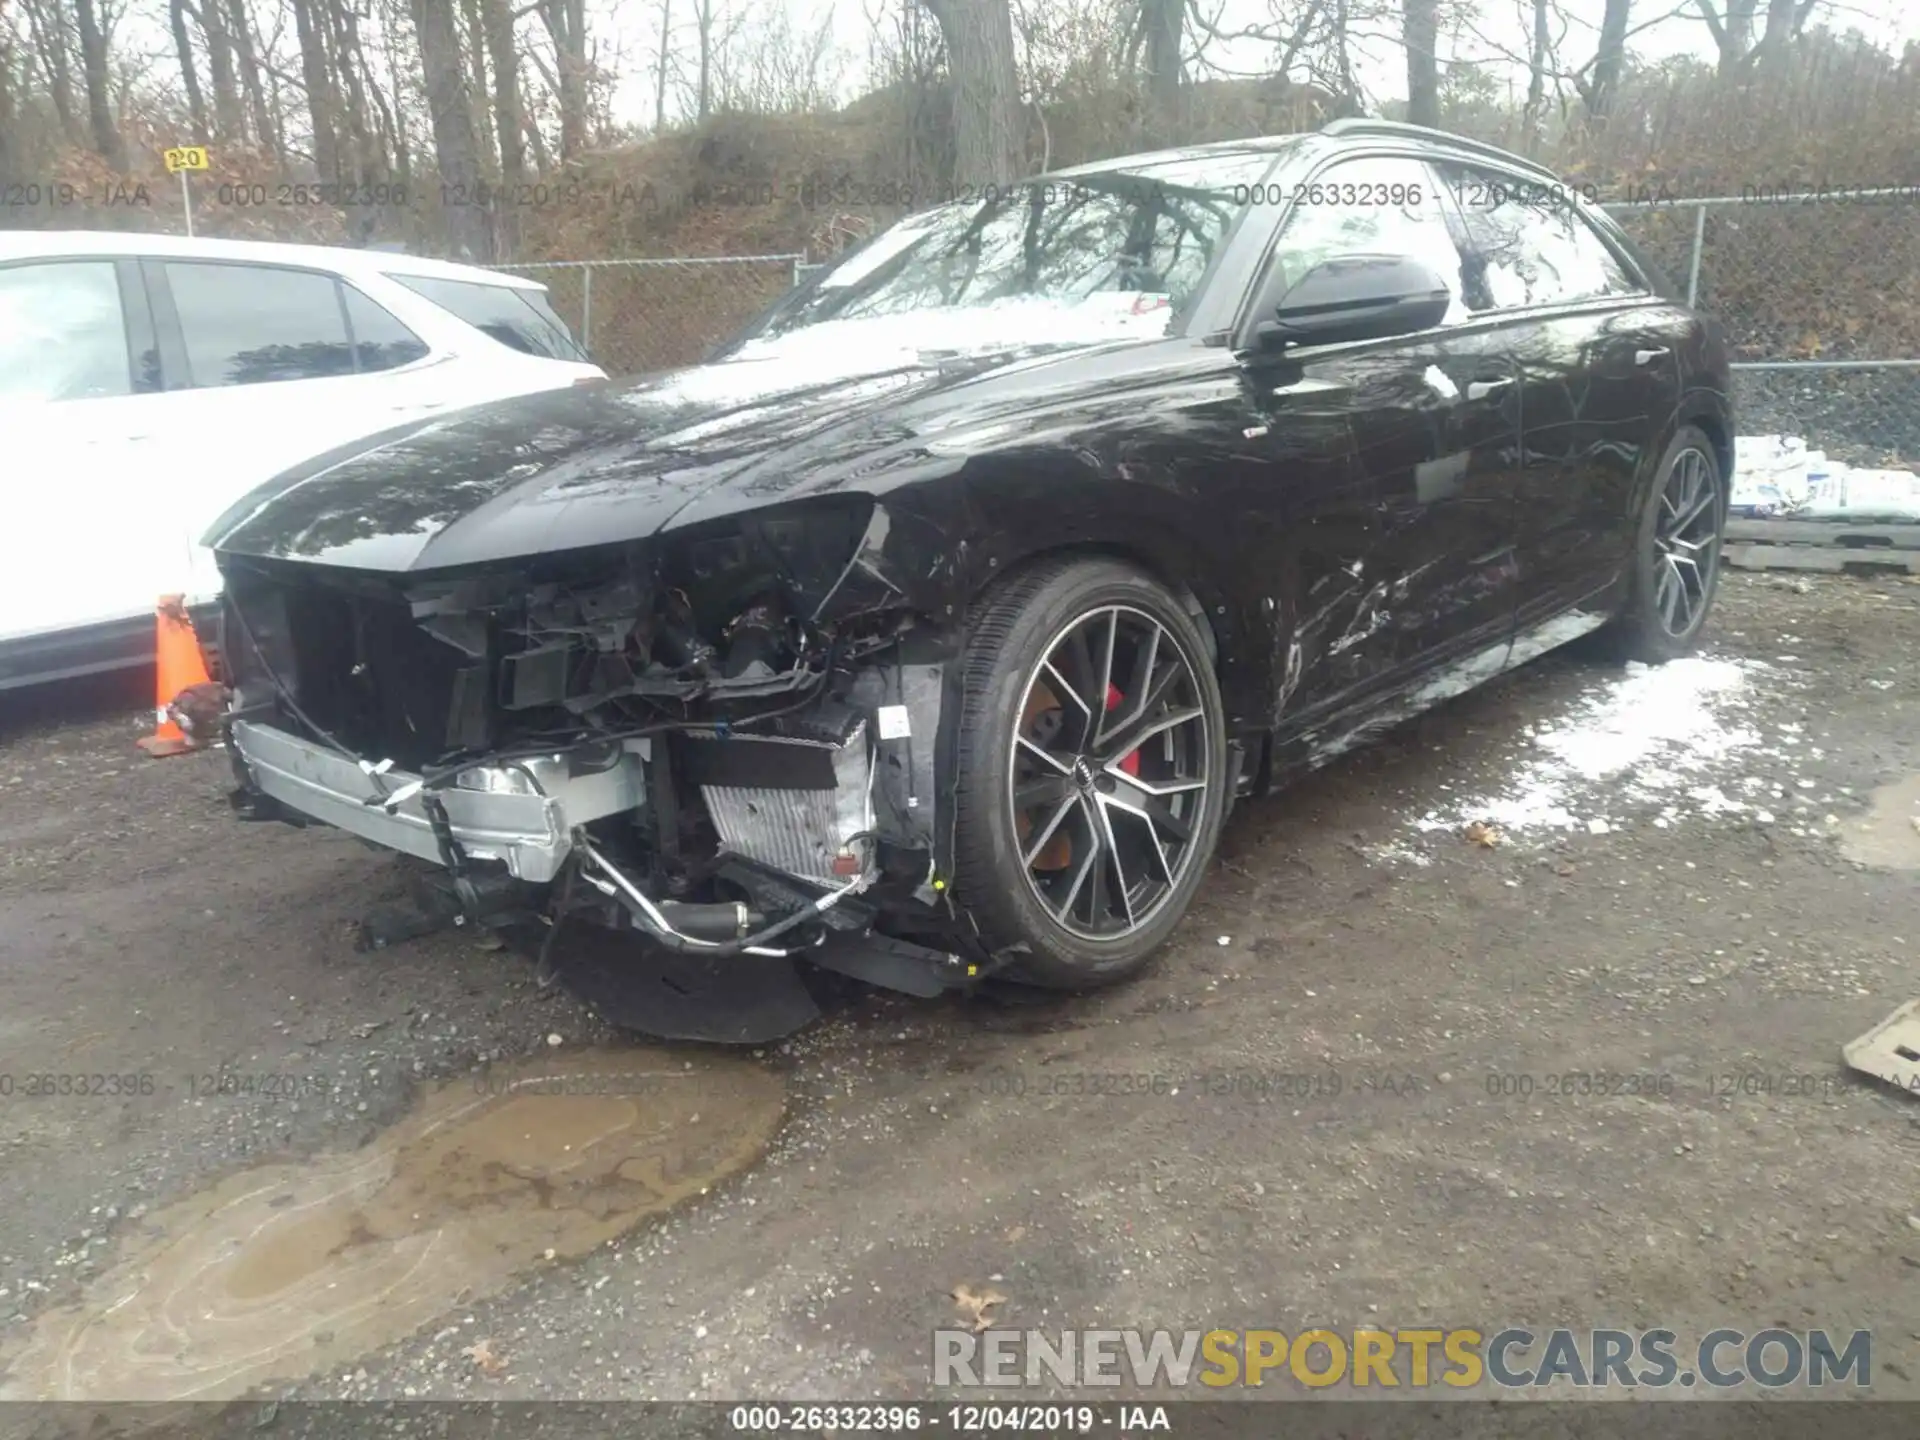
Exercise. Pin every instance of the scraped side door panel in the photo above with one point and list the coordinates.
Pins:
(1404, 550)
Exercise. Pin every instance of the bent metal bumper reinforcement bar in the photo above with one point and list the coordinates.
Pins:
(524, 815)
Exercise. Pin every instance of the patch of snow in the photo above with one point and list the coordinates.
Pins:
(1654, 737)
(1398, 855)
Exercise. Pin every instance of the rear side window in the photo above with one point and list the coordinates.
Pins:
(380, 342)
(519, 319)
(1527, 244)
(63, 335)
(250, 324)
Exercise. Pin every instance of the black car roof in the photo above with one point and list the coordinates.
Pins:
(1354, 127)
(1253, 144)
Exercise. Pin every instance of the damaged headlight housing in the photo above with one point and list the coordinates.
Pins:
(723, 608)
(798, 550)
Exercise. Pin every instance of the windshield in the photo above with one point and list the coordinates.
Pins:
(1136, 241)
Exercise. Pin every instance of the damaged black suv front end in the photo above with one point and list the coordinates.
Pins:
(893, 640)
(723, 738)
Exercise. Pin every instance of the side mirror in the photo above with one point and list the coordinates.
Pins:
(1358, 297)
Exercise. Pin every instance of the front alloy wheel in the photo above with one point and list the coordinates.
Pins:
(1109, 772)
(1091, 766)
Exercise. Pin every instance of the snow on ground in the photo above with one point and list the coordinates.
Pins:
(1671, 739)
(1398, 855)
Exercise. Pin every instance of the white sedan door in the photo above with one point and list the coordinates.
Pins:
(80, 508)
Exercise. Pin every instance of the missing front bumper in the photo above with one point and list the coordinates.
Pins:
(524, 826)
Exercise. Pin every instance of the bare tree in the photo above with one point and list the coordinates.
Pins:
(9, 107)
(537, 142)
(229, 121)
(1421, 30)
(506, 135)
(566, 26)
(1597, 83)
(1603, 86)
(1343, 83)
(771, 68)
(509, 114)
(391, 103)
(986, 91)
(189, 73)
(479, 91)
(367, 157)
(1539, 57)
(47, 25)
(1732, 30)
(469, 232)
(317, 75)
(705, 43)
(96, 69)
(238, 30)
(665, 63)
(1160, 28)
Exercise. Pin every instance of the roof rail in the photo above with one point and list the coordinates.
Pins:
(1361, 125)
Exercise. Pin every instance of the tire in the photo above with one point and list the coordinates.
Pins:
(1035, 869)
(1675, 565)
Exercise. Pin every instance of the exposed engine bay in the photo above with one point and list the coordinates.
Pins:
(726, 746)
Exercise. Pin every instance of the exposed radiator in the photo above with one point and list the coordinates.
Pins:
(810, 833)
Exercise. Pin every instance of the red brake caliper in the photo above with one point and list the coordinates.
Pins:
(1130, 762)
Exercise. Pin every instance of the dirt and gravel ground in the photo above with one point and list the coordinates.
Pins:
(1728, 947)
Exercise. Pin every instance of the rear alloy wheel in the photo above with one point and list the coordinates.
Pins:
(1676, 566)
(1092, 770)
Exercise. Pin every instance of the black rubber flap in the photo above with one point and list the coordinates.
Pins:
(738, 1000)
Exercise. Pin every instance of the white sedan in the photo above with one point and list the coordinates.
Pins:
(149, 381)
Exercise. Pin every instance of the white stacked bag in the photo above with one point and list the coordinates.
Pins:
(1848, 494)
(1776, 476)
(1769, 475)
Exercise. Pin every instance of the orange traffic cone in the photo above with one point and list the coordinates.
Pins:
(178, 666)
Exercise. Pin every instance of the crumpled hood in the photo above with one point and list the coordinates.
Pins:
(596, 465)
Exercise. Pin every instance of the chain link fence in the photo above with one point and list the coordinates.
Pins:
(634, 316)
(1820, 296)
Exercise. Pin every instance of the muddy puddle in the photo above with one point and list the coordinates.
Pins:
(293, 1268)
(1887, 837)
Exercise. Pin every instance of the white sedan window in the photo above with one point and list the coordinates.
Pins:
(62, 334)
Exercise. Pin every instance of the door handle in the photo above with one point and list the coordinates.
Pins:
(1647, 357)
(1480, 389)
